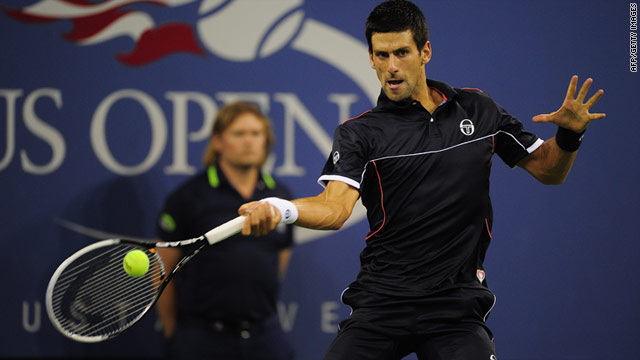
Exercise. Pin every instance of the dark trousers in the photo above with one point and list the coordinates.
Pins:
(216, 340)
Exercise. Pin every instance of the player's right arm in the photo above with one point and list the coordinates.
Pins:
(166, 305)
(327, 211)
(330, 209)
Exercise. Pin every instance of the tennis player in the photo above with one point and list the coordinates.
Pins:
(420, 161)
(222, 305)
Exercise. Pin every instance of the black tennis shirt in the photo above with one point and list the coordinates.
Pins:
(236, 279)
(424, 179)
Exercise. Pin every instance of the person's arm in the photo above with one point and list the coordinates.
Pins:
(549, 164)
(283, 262)
(327, 211)
(166, 305)
(552, 161)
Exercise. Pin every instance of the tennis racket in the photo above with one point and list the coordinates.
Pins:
(90, 297)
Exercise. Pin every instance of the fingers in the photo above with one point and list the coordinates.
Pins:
(594, 99)
(260, 218)
(571, 91)
(582, 94)
(584, 89)
(245, 210)
(574, 112)
(542, 118)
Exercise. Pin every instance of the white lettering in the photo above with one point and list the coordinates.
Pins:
(329, 317)
(158, 132)
(34, 325)
(10, 95)
(344, 102)
(44, 131)
(633, 52)
(287, 315)
(296, 116)
(180, 101)
(294, 112)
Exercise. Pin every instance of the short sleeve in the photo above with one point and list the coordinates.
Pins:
(171, 224)
(348, 158)
(513, 143)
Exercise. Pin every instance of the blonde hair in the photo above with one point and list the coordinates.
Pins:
(225, 117)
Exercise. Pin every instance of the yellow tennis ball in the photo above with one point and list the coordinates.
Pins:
(136, 263)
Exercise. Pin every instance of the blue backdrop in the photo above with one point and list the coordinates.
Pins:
(105, 106)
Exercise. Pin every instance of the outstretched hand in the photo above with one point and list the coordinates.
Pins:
(574, 113)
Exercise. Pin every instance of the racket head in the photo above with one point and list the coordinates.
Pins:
(90, 297)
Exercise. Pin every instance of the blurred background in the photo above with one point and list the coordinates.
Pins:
(106, 106)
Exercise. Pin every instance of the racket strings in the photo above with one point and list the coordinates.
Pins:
(94, 296)
(123, 288)
(98, 280)
(116, 313)
(116, 321)
(70, 274)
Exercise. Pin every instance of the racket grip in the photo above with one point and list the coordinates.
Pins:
(225, 230)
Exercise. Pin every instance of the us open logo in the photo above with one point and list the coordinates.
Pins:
(466, 127)
(260, 30)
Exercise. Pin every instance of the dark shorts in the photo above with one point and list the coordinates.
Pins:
(449, 325)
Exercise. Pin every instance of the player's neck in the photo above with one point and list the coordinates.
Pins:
(430, 99)
(242, 178)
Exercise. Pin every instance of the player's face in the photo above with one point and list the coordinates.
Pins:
(243, 143)
(398, 64)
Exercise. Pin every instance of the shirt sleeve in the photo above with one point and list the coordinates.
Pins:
(172, 224)
(347, 160)
(513, 143)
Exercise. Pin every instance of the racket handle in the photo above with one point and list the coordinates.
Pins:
(225, 230)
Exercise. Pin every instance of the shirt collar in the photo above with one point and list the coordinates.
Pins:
(216, 178)
(442, 87)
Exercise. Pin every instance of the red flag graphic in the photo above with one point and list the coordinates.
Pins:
(156, 43)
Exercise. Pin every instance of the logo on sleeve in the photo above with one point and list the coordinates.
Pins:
(466, 127)
(480, 275)
(167, 223)
(336, 157)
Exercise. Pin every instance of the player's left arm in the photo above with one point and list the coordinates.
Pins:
(551, 162)
(283, 262)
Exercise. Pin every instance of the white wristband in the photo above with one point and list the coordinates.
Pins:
(288, 211)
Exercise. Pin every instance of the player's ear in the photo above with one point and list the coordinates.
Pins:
(371, 60)
(425, 53)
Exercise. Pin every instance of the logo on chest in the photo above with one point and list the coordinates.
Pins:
(466, 127)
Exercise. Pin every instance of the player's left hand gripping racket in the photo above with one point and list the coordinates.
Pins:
(91, 298)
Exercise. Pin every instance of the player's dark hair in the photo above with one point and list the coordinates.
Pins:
(225, 117)
(397, 16)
